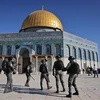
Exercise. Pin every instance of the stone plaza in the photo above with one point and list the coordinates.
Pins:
(89, 88)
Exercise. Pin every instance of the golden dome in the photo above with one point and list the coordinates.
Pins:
(41, 18)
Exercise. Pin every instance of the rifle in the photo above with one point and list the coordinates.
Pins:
(32, 77)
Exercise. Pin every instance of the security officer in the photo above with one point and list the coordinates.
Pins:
(47, 69)
(9, 72)
(72, 69)
(57, 72)
(44, 74)
(28, 72)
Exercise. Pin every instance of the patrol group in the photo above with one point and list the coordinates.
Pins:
(72, 69)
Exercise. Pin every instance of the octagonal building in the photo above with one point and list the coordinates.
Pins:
(42, 36)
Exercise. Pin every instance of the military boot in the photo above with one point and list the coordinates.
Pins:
(69, 95)
(76, 93)
(26, 84)
(7, 91)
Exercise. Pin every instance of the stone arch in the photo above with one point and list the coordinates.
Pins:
(58, 49)
(8, 50)
(48, 49)
(23, 54)
(67, 50)
(23, 47)
(74, 51)
(93, 57)
(84, 54)
(39, 49)
(89, 55)
(79, 54)
(96, 56)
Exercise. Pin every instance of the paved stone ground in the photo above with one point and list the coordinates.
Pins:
(89, 89)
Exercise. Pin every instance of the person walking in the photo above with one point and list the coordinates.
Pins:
(95, 71)
(9, 70)
(91, 70)
(44, 75)
(88, 70)
(57, 72)
(72, 69)
(47, 69)
(28, 72)
(83, 70)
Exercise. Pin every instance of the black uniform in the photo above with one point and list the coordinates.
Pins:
(72, 69)
(44, 74)
(9, 72)
(57, 72)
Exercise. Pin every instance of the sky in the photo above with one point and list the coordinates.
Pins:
(78, 17)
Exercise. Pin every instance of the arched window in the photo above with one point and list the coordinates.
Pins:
(67, 51)
(79, 53)
(58, 49)
(89, 57)
(8, 50)
(48, 49)
(93, 56)
(74, 52)
(1, 48)
(96, 54)
(39, 49)
(84, 54)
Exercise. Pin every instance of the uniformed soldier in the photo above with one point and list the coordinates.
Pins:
(47, 69)
(44, 74)
(72, 69)
(57, 72)
(28, 72)
(9, 72)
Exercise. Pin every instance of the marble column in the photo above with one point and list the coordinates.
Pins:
(17, 63)
(36, 62)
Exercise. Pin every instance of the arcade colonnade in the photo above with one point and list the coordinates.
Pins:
(83, 56)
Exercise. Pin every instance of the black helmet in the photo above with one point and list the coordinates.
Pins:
(42, 61)
(58, 56)
(71, 58)
(9, 58)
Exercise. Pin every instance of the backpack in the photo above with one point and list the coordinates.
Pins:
(74, 68)
(58, 65)
(5, 66)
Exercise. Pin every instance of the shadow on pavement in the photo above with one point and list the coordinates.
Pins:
(29, 91)
(38, 91)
